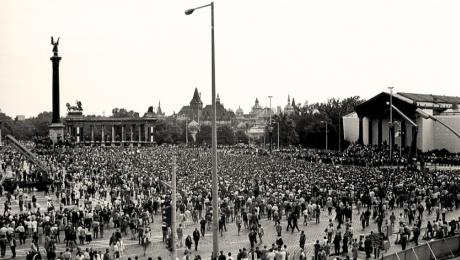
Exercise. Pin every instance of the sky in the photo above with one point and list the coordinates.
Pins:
(134, 54)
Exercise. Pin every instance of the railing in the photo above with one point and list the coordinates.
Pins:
(437, 249)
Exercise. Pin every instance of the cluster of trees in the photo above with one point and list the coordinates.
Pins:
(26, 129)
(305, 127)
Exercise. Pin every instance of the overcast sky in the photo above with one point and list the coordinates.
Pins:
(133, 54)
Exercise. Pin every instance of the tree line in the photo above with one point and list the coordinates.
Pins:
(306, 126)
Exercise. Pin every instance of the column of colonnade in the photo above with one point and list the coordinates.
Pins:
(145, 134)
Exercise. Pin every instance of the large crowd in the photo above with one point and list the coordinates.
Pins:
(121, 190)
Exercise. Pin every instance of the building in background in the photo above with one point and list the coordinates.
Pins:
(369, 124)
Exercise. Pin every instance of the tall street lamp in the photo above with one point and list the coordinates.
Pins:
(391, 124)
(270, 128)
(215, 209)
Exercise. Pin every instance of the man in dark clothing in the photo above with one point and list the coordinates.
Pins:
(202, 226)
(416, 232)
(188, 242)
(196, 238)
(294, 222)
(368, 247)
(302, 239)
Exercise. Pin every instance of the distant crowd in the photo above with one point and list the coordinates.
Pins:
(117, 192)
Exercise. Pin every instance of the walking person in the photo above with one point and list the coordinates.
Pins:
(196, 238)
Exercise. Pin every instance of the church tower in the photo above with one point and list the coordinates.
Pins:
(196, 106)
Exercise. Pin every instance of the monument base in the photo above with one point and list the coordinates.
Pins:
(56, 132)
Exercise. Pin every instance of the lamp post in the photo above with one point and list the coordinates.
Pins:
(391, 124)
(186, 132)
(270, 128)
(215, 209)
(278, 135)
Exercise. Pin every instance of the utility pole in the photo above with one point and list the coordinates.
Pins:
(391, 124)
(278, 135)
(270, 129)
(173, 208)
(186, 132)
(340, 131)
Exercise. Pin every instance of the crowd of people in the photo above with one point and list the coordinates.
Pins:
(121, 190)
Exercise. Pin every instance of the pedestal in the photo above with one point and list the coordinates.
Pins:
(56, 132)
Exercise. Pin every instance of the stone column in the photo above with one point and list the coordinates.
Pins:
(56, 129)
(140, 135)
(122, 135)
(77, 133)
(369, 135)
(403, 133)
(151, 134)
(360, 136)
(113, 135)
(102, 135)
(131, 135)
(92, 134)
(379, 132)
(146, 133)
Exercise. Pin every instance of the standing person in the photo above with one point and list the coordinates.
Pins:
(13, 247)
(202, 226)
(416, 232)
(180, 234)
(302, 239)
(278, 229)
(238, 223)
(317, 213)
(196, 238)
(294, 222)
(261, 233)
(354, 249)
(368, 247)
(188, 242)
(3, 242)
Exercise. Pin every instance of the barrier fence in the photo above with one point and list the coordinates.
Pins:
(436, 249)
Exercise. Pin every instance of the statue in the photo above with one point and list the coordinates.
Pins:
(55, 44)
(77, 108)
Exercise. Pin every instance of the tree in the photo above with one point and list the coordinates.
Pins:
(204, 135)
(287, 130)
(241, 137)
(225, 135)
(122, 112)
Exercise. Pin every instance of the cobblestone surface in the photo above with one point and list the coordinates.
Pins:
(230, 241)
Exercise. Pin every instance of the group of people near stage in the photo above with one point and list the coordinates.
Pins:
(116, 192)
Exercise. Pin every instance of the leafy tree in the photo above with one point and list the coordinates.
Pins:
(241, 137)
(122, 112)
(204, 135)
(225, 135)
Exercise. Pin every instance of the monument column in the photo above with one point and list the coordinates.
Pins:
(56, 129)
(146, 133)
(360, 136)
(113, 135)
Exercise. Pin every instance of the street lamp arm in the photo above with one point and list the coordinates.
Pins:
(190, 11)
